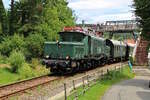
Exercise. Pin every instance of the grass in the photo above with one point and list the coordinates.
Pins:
(7, 77)
(97, 91)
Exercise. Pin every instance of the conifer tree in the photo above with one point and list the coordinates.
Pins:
(142, 10)
(3, 19)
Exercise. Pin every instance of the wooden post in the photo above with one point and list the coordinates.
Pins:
(65, 91)
(102, 75)
(83, 85)
(107, 74)
(149, 84)
(107, 71)
(99, 75)
(83, 82)
(102, 72)
(120, 68)
(115, 68)
(74, 87)
(88, 80)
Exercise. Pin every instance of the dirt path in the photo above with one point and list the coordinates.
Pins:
(134, 89)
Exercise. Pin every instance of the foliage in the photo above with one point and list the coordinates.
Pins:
(51, 19)
(32, 70)
(32, 15)
(3, 59)
(25, 71)
(38, 68)
(34, 45)
(16, 60)
(1, 32)
(34, 63)
(27, 16)
(142, 9)
(3, 19)
(11, 43)
(1, 29)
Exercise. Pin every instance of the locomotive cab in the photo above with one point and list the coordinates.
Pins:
(71, 36)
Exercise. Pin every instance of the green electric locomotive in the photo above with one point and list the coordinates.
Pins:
(76, 50)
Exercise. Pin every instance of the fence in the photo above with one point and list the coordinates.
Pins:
(62, 91)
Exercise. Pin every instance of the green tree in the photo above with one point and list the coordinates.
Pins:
(26, 16)
(11, 18)
(65, 14)
(56, 15)
(3, 19)
(142, 9)
(31, 15)
(34, 45)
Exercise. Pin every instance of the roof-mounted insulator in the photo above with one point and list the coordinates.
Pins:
(73, 29)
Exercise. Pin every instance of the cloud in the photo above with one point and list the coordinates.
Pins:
(90, 4)
(98, 4)
(93, 11)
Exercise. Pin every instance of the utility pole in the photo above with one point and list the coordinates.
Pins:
(83, 23)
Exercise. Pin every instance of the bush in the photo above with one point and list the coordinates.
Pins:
(11, 43)
(38, 68)
(41, 70)
(16, 60)
(26, 71)
(34, 63)
(35, 45)
(3, 59)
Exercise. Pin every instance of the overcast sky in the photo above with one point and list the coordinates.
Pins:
(96, 11)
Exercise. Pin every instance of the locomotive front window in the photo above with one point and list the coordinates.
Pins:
(71, 36)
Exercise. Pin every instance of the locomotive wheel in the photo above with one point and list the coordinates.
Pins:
(89, 65)
(85, 66)
(96, 63)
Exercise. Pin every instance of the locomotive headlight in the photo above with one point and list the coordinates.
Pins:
(67, 57)
(47, 56)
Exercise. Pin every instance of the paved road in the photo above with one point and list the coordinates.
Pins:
(134, 89)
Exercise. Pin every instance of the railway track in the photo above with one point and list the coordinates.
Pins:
(19, 87)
